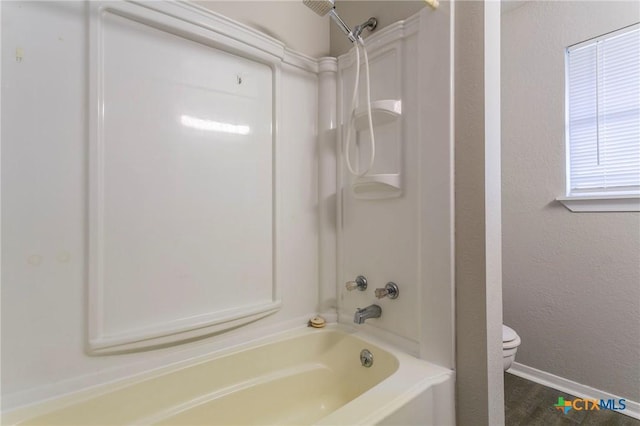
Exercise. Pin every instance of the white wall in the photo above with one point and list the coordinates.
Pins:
(44, 210)
(289, 21)
(571, 280)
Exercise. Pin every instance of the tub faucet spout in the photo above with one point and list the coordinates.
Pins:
(371, 311)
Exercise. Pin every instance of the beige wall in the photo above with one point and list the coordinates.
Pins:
(479, 378)
(571, 281)
(289, 21)
(355, 12)
(302, 30)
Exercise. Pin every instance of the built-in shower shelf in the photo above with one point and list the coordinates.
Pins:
(376, 187)
(383, 111)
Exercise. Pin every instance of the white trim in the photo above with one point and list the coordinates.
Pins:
(603, 203)
(571, 387)
(299, 60)
(607, 36)
(212, 23)
(328, 64)
(227, 27)
(179, 330)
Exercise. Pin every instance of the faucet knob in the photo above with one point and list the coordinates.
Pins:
(381, 292)
(390, 290)
(360, 283)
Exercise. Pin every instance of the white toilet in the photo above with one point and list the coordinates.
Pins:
(510, 343)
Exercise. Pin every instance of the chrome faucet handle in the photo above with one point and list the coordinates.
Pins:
(360, 283)
(390, 290)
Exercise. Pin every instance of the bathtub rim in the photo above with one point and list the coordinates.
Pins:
(434, 374)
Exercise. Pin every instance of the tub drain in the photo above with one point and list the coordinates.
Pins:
(366, 358)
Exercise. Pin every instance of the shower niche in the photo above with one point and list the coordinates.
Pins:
(384, 180)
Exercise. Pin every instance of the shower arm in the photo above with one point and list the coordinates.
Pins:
(353, 35)
(344, 27)
(370, 23)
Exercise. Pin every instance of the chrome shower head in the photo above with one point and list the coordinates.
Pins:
(321, 7)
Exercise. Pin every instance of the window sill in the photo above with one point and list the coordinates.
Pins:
(602, 203)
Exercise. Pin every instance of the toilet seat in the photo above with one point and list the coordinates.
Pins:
(510, 338)
(510, 343)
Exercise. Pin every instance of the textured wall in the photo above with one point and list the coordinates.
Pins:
(479, 378)
(571, 281)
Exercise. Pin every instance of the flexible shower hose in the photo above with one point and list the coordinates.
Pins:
(350, 126)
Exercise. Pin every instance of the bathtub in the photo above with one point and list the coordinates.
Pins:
(300, 377)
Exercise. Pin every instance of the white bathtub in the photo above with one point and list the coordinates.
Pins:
(302, 377)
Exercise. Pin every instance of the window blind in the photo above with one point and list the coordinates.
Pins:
(603, 115)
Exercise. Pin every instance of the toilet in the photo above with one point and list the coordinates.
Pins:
(510, 343)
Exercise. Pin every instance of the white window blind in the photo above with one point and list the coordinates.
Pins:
(603, 115)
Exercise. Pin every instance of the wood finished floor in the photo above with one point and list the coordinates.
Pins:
(530, 404)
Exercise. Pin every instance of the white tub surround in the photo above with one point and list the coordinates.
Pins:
(67, 152)
(395, 223)
(189, 190)
(305, 376)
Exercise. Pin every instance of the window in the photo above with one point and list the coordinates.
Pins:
(603, 118)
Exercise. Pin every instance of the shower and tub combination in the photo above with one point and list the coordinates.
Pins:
(299, 378)
(191, 318)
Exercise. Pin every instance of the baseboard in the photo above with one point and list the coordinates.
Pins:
(571, 387)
